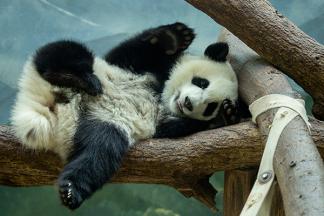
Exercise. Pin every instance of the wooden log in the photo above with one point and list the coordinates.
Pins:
(184, 164)
(237, 187)
(157, 161)
(276, 39)
(298, 165)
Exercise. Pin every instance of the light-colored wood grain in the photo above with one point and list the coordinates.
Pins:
(302, 185)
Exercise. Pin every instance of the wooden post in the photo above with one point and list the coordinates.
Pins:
(297, 163)
(237, 187)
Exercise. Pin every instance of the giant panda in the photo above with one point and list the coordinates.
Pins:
(90, 110)
(200, 93)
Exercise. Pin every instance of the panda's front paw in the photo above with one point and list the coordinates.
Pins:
(69, 195)
(230, 112)
(173, 38)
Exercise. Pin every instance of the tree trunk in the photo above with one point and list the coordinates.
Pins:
(298, 165)
(275, 38)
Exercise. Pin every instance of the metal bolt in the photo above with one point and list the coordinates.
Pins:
(265, 177)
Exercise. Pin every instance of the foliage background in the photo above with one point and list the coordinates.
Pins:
(101, 24)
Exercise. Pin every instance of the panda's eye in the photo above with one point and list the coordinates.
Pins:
(200, 82)
(211, 107)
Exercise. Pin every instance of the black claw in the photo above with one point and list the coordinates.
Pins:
(233, 118)
(179, 26)
(154, 40)
(229, 111)
(170, 52)
(186, 32)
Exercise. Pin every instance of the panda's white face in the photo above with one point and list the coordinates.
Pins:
(197, 87)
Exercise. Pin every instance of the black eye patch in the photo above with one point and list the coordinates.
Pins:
(211, 107)
(200, 82)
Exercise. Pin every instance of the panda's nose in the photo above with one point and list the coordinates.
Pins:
(188, 104)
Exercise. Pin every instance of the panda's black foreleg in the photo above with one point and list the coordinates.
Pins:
(98, 152)
(154, 50)
(179, 127)
(67, 64)
(174, 127)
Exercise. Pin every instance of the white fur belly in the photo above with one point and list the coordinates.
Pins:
(67, 116)
(127, 101)
(130, 105)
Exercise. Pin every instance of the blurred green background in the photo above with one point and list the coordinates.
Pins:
(101, 24)
(113, 199)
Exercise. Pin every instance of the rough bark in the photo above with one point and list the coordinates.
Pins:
(276, 39)
(298, 165)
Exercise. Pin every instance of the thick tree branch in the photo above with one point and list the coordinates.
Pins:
(298, 166)
(184, 164)
(275, 38)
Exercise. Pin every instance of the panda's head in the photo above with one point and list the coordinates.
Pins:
(197, 86)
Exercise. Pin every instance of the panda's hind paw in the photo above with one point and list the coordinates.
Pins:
(69, 195)
(230, 112)
(173, 38)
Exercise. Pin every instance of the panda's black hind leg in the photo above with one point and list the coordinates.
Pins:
(67, 64)
(99, 148)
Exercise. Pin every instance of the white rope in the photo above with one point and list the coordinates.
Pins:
(276, 101)
(289, 108)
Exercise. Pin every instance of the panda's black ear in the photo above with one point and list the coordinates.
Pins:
(217, 51)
